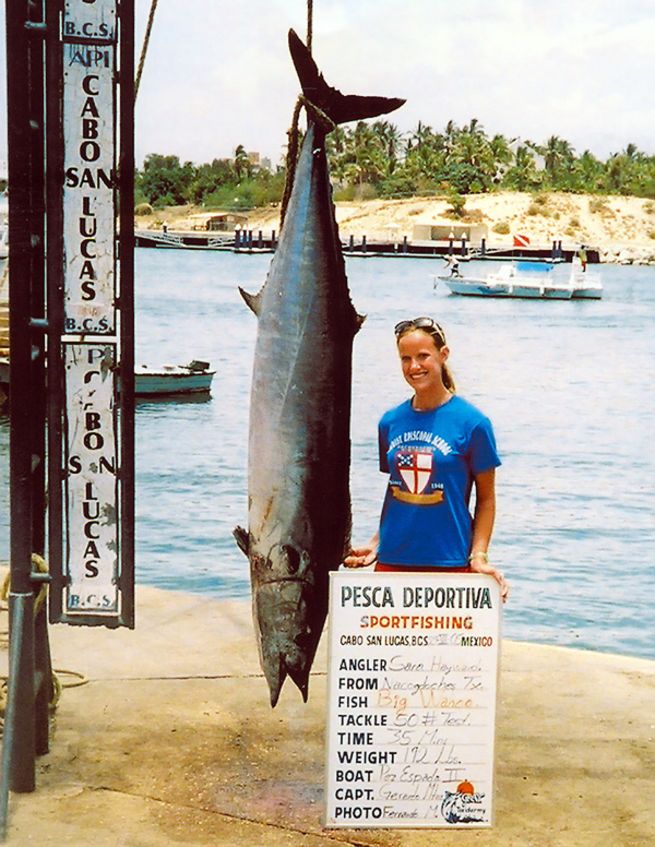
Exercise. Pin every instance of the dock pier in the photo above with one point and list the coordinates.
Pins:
(256, 241)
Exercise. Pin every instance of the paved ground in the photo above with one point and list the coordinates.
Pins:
(173, 742)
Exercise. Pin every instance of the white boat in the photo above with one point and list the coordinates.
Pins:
(528, 280)
(166, 380)
(586, 285)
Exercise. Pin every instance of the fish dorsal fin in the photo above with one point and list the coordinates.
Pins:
(253, 301)
(340, 108)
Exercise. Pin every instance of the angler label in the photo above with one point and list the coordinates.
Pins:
(91, 496)
(412, 680)
(89, 122)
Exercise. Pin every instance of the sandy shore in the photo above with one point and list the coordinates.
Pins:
(172, 741)
(622, 228)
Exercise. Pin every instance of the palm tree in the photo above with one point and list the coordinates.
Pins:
(522, 176)
(241, 162)
(558, 157)
(389, 137)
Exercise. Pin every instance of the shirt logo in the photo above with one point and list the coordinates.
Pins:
(415, 469)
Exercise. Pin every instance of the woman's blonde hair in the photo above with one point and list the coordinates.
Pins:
(430, 327)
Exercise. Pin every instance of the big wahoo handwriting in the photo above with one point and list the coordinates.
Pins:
(415, 465)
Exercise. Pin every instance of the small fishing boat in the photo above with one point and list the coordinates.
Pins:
(528, 280)
(167, 380)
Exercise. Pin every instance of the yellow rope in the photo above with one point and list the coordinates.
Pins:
(293, 133)
(144, 49)
(292, 159)
(76, 679)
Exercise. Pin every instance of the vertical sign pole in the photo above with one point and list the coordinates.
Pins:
(43, 668)
(21, 739)
(92, 329)
(55, 297)
(126, 257)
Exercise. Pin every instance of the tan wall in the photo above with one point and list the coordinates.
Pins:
(447, 230)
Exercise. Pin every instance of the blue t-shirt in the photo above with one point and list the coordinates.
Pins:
(431, 458)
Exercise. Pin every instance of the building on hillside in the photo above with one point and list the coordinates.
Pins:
(218, 222)
(448, 230)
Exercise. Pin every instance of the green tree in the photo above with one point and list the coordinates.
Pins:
(242, 163)
(164, 181)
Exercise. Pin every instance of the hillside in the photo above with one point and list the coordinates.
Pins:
(623, 228)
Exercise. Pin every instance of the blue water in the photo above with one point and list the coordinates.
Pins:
(567, 385)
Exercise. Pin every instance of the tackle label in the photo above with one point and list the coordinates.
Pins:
(412, 682)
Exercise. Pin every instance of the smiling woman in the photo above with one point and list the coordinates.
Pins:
(436, 447)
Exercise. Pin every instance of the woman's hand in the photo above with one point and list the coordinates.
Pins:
(478, 565)
(362, 557)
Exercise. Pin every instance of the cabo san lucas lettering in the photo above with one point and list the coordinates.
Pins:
(89, 184)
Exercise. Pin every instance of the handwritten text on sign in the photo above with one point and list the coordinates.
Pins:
(412, 699)
(89, 171)
(91, 503)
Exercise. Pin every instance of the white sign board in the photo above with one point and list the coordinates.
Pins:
(92, 20)
(412, 679)
(91, 561)
(89, 120)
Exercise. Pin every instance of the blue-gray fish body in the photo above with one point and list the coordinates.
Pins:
(299, 439)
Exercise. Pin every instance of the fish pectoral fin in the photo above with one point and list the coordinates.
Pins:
(242, 539)
(253, 301)
(340, 108)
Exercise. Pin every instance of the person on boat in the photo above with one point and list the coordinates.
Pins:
(582, 255)
(452, 262)
(436, 448)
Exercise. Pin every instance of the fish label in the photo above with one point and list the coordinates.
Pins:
(412, 687)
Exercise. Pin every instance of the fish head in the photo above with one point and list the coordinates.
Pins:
(284, 600)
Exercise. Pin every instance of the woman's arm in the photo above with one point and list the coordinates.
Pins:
(485, 510)
(362, 557)
(483, 524)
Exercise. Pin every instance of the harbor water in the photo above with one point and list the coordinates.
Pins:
(567, 385)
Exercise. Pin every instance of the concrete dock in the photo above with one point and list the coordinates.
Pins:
(172, 741)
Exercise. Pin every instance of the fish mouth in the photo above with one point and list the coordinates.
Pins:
(287, 635)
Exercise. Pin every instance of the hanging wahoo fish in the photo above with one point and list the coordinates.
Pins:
(299, 441)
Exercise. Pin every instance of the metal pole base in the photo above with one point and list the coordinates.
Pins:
(19, 747)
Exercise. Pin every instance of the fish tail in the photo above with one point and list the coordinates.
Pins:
(339, 108)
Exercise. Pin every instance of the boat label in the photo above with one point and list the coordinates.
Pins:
(412, 682)
(91, 481)
(89, 188)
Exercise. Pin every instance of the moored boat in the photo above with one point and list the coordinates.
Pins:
(531, 280)
(528, 280)
(166, 380)
(161, 381)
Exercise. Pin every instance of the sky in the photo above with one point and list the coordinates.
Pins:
(218, 72)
